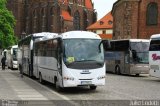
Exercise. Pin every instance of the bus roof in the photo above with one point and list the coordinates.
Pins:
(47, 36)
(155, 36)
(69, 35)
(79, 34)
(37, 35)
(14, 46)
(133, 40)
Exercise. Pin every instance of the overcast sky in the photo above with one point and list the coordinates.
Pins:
(103, 7)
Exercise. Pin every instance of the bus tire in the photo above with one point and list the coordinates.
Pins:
(93, 87)
(41, 79)
(58, 88)
(117, 70)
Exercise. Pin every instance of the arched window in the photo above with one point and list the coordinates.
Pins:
(52, 11)
(76, 21)
(85, 19)
(94, 16)
(69, 9)
(152, 14)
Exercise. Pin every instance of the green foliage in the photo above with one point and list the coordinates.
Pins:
(7, 23)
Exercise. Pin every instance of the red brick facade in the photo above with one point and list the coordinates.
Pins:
(130, 19)
(33, 16)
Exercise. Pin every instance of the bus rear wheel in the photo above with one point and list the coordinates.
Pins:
(93, 87)
(117, 70)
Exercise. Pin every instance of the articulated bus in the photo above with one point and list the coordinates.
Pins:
(25, 52)
(12, 57)
(128, 56)
(154, 55)
(71, 59)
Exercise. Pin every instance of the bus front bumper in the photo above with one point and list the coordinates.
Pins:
(139, 69)
(75, 83)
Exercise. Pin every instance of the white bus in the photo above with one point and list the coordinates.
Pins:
(25, 53)
(128, 56)
(12, 57)
(154, 55)
(72, 59)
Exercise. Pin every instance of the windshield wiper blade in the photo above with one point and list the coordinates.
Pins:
(85, 60)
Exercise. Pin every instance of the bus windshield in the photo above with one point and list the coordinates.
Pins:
(15, 54)
(140, 51)
(80, 51)
(155, 45)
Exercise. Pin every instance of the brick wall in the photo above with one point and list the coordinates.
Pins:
(129, 17)
(144, 30)
(36, 16)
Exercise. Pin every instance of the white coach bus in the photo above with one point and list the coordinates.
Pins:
(12, 57)
(154, 55)
(25, 52)
(72, 59)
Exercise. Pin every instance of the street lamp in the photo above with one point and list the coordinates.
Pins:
(23, 35)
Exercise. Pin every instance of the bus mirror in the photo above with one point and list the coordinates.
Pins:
(106, 44)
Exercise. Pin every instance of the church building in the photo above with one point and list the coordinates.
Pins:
(58, 16)
(136, 18)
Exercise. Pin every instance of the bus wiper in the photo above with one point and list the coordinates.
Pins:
(84, 60)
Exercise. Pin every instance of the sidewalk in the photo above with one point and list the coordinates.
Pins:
(6, 90)
(13, 87)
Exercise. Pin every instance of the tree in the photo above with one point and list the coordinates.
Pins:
(7, 22)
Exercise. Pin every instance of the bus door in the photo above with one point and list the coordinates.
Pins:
(126, 62)
(59, 60)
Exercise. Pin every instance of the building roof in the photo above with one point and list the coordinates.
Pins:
(88, 3)
(104, 23)
(66, 16)
(105, 36)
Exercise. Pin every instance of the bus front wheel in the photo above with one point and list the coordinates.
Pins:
(58, 88)
(41, 79)
(93, 87)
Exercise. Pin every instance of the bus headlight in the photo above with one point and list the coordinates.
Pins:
(101, 77)
(68, 78)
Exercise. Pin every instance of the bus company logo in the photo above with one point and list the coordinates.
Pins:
(155, 57)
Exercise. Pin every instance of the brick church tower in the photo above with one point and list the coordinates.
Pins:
(136, 18)
(33, 16)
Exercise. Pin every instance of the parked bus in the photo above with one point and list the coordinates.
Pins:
(128, 56)
(72, 59)
(12, 57)
(25, 53)
(154, 55)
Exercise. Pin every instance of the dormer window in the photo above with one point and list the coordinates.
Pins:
(110, 22)
(101, 22)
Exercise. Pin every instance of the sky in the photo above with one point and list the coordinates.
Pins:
(103, 7)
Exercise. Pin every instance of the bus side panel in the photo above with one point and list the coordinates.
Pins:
(110, 61)
(25, 59)
(47, 66)
(154, 60)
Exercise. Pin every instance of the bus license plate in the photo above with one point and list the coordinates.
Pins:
(86, 82)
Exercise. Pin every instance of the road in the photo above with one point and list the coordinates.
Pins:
(118, 87)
